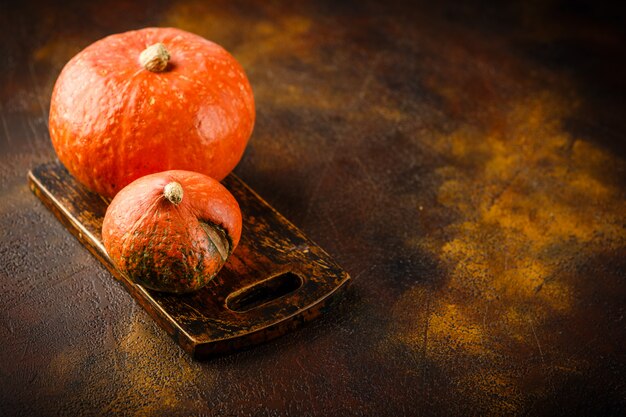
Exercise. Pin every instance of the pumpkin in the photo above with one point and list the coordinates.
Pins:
(172, 231)
(148, 101)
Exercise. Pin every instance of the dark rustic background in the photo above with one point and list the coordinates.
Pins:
(465, 163)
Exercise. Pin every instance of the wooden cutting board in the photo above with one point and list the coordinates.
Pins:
(275, 280)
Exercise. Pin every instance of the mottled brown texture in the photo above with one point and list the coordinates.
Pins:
(464, 162)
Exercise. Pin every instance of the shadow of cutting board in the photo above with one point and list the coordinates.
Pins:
(275, 280)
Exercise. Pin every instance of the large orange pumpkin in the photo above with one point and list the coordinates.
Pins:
(147, 101)
(172, 231)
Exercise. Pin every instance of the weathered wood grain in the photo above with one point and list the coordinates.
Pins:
(271, 250)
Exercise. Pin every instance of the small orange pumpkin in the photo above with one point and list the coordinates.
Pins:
(148, 101)
(172, 231)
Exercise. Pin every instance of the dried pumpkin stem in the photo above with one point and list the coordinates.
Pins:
(173, 192)
(155, 57)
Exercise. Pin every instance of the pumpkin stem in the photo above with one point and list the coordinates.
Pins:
(155, 57)
(173, 192)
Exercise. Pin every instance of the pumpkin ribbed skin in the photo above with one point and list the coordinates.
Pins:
(113, 121)
(163, 245)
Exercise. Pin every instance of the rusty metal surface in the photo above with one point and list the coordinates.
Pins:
(464, 163)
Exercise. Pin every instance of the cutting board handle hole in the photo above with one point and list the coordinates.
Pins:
(263, 292)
